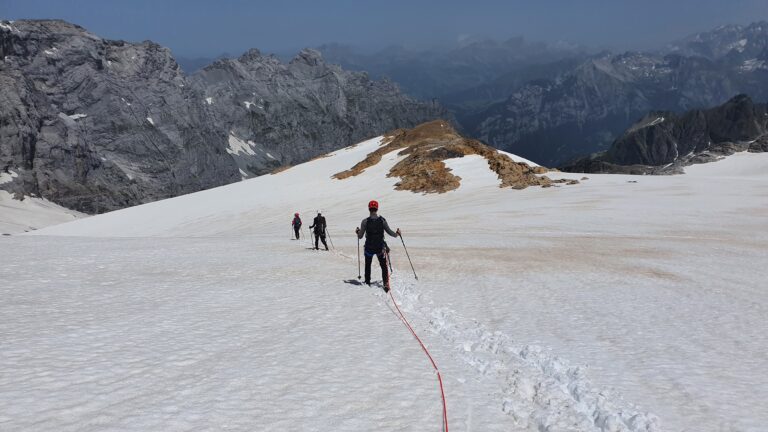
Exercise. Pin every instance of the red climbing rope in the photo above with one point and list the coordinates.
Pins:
(431, 360)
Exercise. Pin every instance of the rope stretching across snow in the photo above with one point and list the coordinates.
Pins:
(423, 347)
(431, 360)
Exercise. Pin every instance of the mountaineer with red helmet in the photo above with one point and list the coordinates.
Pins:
(296, 225)
(373, 228)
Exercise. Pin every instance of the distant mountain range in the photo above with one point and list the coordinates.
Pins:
(665, 142)
(442, 72)
(95, 124)
(584, 110)
(555, 103)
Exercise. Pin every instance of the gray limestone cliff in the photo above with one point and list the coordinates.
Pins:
(97, 125)
(281, 114)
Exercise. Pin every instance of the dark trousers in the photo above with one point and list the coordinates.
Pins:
(321, 237)
(382, 256)
(296, 229)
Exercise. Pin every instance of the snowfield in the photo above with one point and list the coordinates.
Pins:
(619, 304)
(30, 214)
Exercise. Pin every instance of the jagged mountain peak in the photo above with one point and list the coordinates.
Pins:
(740, 41)
(253, 54)
(95, 124)
(308, 56)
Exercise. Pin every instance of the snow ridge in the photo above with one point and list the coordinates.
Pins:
(537, 389)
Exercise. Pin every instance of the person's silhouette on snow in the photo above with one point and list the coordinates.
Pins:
(296, 225)
(373, 228)
(319, 230)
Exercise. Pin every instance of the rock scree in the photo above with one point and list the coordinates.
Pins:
(428, 145)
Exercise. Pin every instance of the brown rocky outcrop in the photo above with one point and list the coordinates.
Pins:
(428, 145)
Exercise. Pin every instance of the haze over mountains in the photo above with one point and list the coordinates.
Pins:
(552, 104)
(664, 142)
(95, 125)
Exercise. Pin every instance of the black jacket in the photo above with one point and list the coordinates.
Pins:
(318, 224)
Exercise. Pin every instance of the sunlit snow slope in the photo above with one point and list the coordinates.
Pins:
(18, 216)
(621, 303)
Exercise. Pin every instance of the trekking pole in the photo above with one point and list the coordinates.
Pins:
(330, 239)
(409, 257)
(358, 259)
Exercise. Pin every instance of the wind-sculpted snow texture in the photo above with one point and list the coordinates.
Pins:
(208, 337)
(623, 304)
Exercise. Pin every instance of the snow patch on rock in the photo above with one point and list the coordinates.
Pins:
(238, 146)
(8, 177)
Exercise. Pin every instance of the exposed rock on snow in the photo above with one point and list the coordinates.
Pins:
(640, 314)
(428, 145)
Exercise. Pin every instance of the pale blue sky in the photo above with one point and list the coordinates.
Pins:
(207, 28)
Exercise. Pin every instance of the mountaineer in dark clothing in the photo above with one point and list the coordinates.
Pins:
(319, 230)
(373, 228)
(296, 225)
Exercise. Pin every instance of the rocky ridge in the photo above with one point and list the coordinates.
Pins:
(279, 114)
(428, 145)
(664, 142)
(96, 125)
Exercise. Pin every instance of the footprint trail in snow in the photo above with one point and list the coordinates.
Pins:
(537, 389)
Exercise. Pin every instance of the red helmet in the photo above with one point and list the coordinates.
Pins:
(373, 205)
(296, 214)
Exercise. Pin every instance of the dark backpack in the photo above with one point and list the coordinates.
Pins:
(374, 234)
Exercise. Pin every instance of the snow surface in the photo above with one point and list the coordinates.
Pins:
(236, 146)
(27, 215)
(8, 177)
(753, 65)
(597, 306)
(9, 27)
(517, 158)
